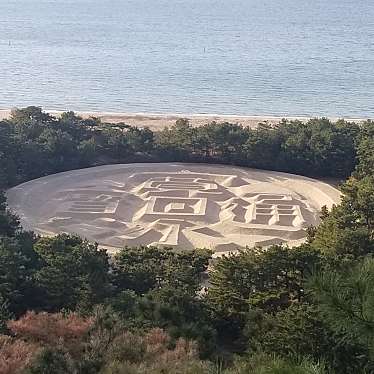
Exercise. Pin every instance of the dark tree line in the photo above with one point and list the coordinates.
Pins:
(316, 148)
(34, 144)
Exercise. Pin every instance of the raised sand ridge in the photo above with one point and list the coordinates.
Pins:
(176, 205)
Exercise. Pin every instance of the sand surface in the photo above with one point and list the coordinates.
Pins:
(222, 208)
(159, 121)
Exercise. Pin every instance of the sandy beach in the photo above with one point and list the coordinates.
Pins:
(157, 121)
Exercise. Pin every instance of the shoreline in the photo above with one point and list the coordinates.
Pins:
(158, 121)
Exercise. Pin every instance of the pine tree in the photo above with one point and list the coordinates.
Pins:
(346, 300)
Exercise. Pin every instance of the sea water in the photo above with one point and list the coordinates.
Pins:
(279, 57)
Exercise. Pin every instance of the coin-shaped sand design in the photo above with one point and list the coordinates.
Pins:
(222, 208)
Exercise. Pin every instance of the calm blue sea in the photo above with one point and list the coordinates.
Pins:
(281, 57)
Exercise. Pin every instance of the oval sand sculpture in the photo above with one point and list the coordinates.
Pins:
(174, 205)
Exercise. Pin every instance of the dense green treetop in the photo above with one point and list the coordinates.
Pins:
(34, 144)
